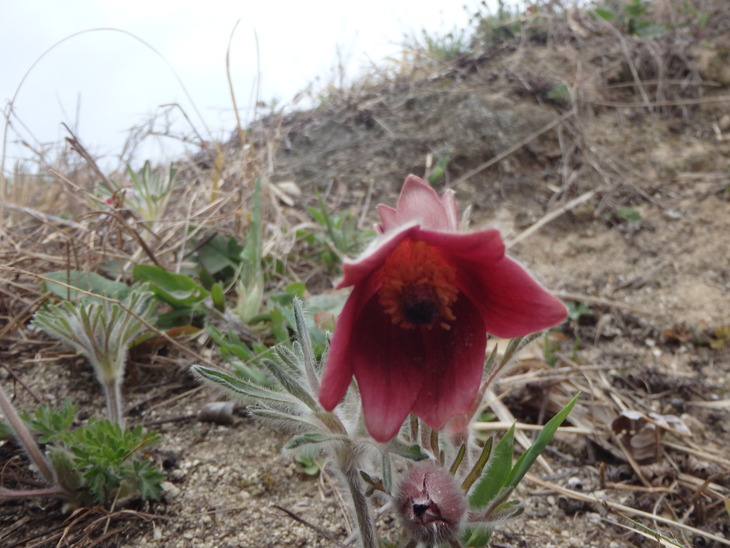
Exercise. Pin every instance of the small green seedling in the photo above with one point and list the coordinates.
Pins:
(103, 331)
(98, 462)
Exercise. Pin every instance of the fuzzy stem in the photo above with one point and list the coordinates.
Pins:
(113, 393)
(359, 502)
(364, 521)
(26, 439)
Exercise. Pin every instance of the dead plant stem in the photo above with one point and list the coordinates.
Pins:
(26, 439)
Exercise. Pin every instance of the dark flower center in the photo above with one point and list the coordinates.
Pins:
(419, 510)
(418, 286)
(419, 305)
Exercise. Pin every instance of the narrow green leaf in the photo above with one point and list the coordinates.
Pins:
(219, 299)
(457, 461)
(242, 389)
(507, 510)
(497, 471)
(87, 281)
(528, 457)
(290, 384)
(305, 341)
(285, 418)
(312, 438)
(489, 364)
(476, 471)
(412, 452)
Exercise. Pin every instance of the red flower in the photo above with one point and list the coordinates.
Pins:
(413, 331)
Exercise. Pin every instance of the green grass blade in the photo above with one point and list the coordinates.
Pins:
(528, 457)
(498, 468)
(251, 254)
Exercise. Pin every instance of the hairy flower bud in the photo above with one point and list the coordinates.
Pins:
(430, 503)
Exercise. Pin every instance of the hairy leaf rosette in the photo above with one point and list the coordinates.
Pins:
(413, 332)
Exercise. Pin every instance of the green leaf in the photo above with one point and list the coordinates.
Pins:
(100, 461)
(291, 384)
(538, 446)
(412, 452)
(243, 389)
(229, 343)
(497, 471)
(312, 438)
(326, 303)
(479, 537)
(559, 93)
(304, 338)
(51, 424)
(476, 472)
(438, 172)
(290, 420)
(148, 477)
(86, 281)
(219, 299)
(176, 289)
(220, 253)
(296, 289)
(507, 510)
(604, 14)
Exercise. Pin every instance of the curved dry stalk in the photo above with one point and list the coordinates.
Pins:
(27, 441)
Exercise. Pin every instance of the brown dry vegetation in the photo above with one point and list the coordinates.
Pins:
(614, 191)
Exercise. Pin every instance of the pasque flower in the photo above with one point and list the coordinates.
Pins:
(413, 332)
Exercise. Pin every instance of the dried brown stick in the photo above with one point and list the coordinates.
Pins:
(514, 148)
(43, 217)
(551, 216)
(618, 507)
(318, 530)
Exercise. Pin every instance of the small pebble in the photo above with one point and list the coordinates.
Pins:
(169, 491)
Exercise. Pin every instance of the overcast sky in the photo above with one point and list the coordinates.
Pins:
(102, 83)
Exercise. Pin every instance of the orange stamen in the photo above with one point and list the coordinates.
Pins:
(418, 286)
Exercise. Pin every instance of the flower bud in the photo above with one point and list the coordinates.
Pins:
(431, 503)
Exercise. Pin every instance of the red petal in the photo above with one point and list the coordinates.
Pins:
(387, 361)
(511, 302)
(452, 367)
(387, 218)
(420, 203)
(338, 369)
(357, 271)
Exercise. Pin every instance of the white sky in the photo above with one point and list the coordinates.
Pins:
(102, 83)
